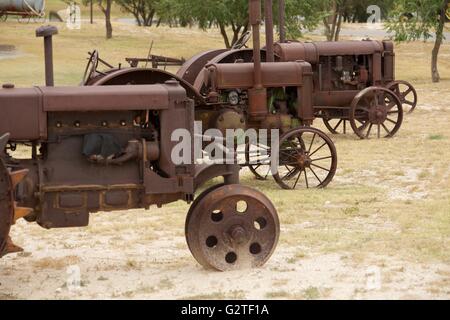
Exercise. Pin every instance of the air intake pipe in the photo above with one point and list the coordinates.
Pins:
(47, 32)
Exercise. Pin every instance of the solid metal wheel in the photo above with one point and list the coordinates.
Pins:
(376, 112)
(406, 93)
(191, 210)
(232, 227)
(308, 158)
(6, 207)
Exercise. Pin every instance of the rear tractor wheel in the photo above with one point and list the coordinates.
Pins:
(9, 212)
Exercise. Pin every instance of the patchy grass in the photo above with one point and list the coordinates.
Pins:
(311, 293)
(436, 137)
(389, 197)
(56, 263)
(219, 295)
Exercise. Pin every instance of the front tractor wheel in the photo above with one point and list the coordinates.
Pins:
(376, 112)
(232, 227)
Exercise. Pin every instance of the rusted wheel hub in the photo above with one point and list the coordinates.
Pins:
(232, 227)
(304, 161)
(378, 115)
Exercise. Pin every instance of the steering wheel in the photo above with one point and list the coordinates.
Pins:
(242, 41)
(91, 67)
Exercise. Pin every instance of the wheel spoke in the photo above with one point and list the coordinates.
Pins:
(314, 173)
(312, 142)
(289, 173)
(385, 128)
(323, 145)
(288, 155)
(315, 165)
(391, 121)
(368, 131)
(298, 179)
(338, 124)
(379, 131)
(267, 174)
(324, 158)
(391, 105)
(306, 178)
(407, 92)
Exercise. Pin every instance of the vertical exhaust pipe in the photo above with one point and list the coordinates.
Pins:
(47, 32)
(255, 21)
(270, 57)
(257, 96)
(282, 20)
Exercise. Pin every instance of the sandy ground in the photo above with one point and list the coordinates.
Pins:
(381, 229)
(142, 254)
(77, 265)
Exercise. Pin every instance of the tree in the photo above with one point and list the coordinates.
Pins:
(333, 20)
(105, 6)
(143, 10)
(420, 19)
(227, 15)
(300, 15)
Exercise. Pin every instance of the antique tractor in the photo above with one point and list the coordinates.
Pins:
(354, 82)
(249, 89)
(103, 148)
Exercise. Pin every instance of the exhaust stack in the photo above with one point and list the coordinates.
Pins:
(255, 21)
(257, 95)
(47, 32)
(282, 20)
(268, 11)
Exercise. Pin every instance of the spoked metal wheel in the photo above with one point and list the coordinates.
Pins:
(337, 126)
(232, 227)
(376, 112)
(308, 158)
(257, 158)
(406, 93)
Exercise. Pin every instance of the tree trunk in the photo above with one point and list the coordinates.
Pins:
(224, 34)
(109, 29)
(437, 44)
(337, 31)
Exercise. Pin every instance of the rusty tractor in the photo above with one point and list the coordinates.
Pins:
(354, 82)
(246, 89)
(87, 149)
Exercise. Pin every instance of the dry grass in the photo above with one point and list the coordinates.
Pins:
(389, 197)
(56, 263)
